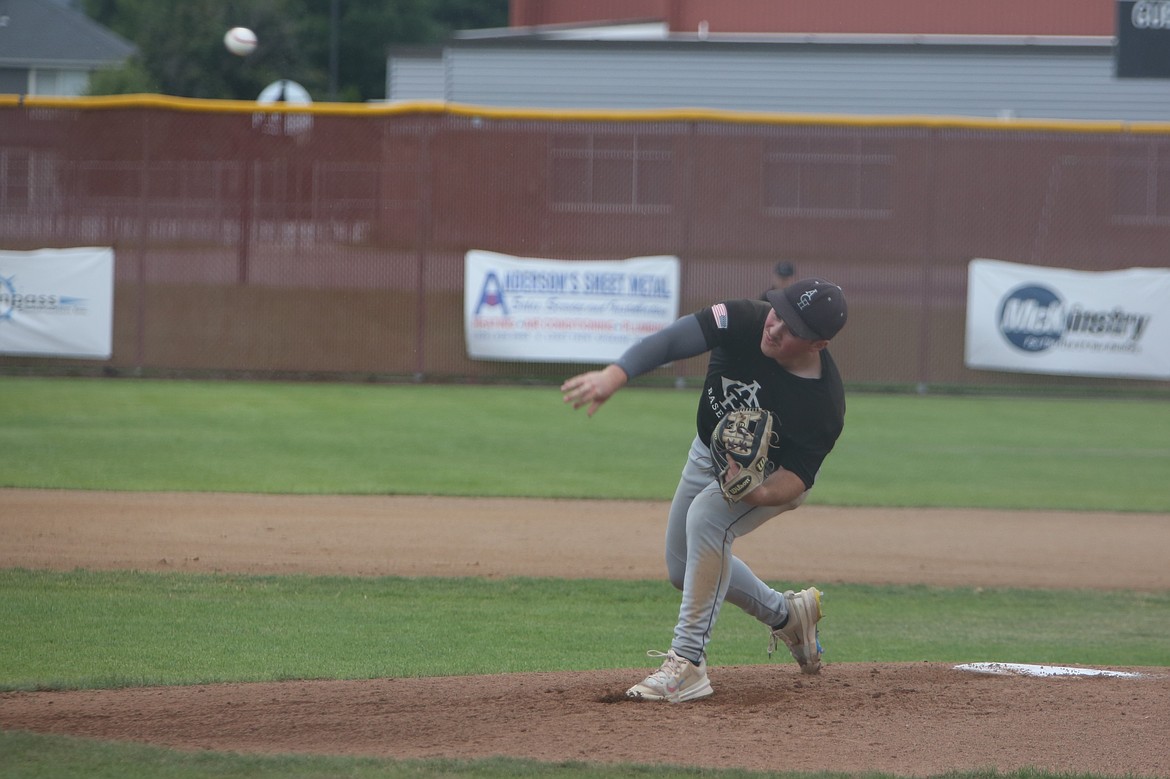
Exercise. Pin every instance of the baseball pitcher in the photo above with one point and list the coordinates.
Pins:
(771, 409)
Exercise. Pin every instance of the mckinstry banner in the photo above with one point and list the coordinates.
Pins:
(539, 310)
(57, 302)
(1032, 319)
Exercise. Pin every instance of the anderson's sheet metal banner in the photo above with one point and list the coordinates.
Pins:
(57, 302)
(541, 310)
(1033, 319)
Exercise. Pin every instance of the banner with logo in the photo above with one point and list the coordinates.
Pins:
(57, 302)
(544, 310)
(1032, 319)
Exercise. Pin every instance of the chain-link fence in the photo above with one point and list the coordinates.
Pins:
(329, 241)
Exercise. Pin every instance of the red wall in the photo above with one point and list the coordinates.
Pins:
(339, 250)
(912, 17)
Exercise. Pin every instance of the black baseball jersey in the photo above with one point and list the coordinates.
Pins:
(811, 412)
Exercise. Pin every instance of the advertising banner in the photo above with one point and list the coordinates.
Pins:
(57, 302)
(1031, 319)
(544, 310)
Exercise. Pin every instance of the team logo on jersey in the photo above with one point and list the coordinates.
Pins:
(736, 394)
(719, 311)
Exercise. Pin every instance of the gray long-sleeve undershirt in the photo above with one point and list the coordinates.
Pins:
(679, 340)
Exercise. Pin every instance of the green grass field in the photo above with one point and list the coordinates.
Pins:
(330, 438)
(157, 629)
(897, 450)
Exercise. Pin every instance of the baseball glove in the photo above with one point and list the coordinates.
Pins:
(743, 437)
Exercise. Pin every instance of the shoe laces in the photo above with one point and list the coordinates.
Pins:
(779, 636)
(674, 666)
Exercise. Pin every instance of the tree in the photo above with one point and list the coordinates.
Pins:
(181, 48)
(131, 78)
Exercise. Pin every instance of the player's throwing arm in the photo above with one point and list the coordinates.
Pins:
(593, 387)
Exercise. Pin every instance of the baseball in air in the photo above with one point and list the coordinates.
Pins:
(240, 41)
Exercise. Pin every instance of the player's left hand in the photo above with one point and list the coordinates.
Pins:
(757, 497)
(733, 469)
(779, 489)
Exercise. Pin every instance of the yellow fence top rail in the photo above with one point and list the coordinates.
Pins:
(442, 108)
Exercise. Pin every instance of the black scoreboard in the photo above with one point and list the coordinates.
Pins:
(1142, 49)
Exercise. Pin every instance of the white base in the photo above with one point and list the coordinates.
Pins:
(1023, 669)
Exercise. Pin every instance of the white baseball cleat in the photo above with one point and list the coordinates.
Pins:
(800, 632)
(676, 681)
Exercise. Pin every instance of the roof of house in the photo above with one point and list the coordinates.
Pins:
(44, 33)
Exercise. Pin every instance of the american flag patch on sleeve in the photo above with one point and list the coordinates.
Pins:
(719, 311)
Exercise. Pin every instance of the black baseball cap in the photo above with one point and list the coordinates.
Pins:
(813, 309)
(784, 269)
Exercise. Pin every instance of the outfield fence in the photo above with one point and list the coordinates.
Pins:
(328, 241)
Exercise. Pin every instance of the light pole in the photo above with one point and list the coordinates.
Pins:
(334, 39)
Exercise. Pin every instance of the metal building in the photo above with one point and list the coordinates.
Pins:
(646, 66)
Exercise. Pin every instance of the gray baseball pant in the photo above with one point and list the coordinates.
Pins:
(699, 532)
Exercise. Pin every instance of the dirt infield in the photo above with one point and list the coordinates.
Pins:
(909, 719)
